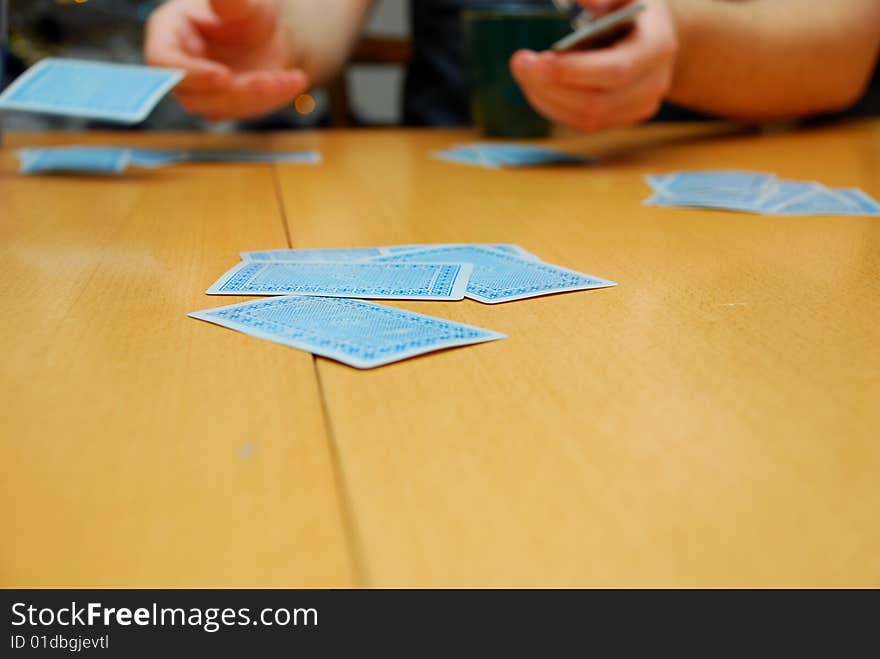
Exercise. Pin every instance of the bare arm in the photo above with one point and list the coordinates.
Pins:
(323, 33)
(773, 59)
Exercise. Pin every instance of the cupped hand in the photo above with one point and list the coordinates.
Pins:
(235, 53)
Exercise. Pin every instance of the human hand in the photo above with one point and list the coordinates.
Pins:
(235, 53)
(615, 86)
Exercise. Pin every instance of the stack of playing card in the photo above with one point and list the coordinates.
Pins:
(494, 155)
(116, 159)
(320, 307)
(756, 192)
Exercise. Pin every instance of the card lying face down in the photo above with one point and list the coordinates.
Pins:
(86, 160)
(493, 155)
(357, 333)
(393, 281)
(507, 248)
(315, 254)
(116, 159)
(500, 277)
(756, 192)
(367, 253)
(125, 93)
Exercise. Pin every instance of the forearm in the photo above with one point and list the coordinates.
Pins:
(773, 59)
(323, 33)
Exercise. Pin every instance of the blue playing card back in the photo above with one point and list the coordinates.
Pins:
(123, 93)
(357, 333)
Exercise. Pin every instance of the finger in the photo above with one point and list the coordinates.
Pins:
(202, 75)
(239, 22)
(591, 110)
(533, 69)
(644, 48)
(169, 44)
(521, 64)
(607, 68)
(251, 95)
(602, 7)
(233, 10)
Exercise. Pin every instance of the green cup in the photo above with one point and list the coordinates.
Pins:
(491, 36)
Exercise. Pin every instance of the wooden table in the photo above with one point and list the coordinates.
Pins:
(712, 421)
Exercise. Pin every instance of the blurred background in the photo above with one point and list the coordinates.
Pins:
(369, 93)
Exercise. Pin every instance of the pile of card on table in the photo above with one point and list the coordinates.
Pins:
(116, 159)
(320, 293)
(495, 155)
(756, 192)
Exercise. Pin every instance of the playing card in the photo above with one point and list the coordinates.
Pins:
(89, 160)
(393, 281)
(155, 157)
(601, 32)
(357, 333)
(745, 201)
(501, 154)
(315, 254)
(100, 159)
(681, 183)
(862, 201)
(500, 277)
(784, 192)
(124, 93)
(508, 248)
(466, 157)
(823, 201)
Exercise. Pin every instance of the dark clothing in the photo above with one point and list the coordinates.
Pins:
(435, 92)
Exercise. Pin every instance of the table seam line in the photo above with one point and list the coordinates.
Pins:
(276, 183)
(349, 524)
(354, 546)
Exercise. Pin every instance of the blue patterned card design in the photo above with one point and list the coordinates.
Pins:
(115, 159)
(315, 254)
(725, 189)
(859, 199)
(756, 192)
(500, 277)
(493, 155)
(722, 179)
(155, 157)
(125, 93)
(784, 192)
(357, 333)
(393, 281)
(825, 201)
(465, 157)
(87, 160)
(368, 253)
(507, 248)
